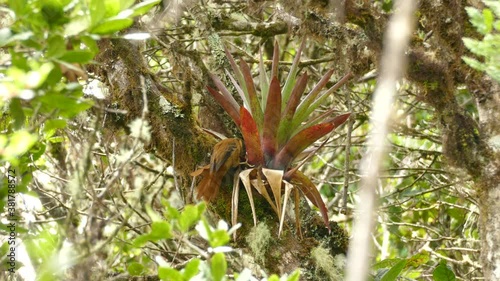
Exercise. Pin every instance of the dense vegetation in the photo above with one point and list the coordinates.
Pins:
(106, 114)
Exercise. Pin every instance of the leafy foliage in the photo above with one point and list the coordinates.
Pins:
(98, 191)
(486, 22)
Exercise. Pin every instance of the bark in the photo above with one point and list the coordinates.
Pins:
(124, 69)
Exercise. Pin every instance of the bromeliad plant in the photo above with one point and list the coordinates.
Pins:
(276, 130)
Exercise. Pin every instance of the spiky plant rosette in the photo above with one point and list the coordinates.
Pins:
(276, 129)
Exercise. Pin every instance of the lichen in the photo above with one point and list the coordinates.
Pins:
(168, 107)
(331, 266)
(259, 240)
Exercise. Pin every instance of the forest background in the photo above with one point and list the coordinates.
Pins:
(106, 114)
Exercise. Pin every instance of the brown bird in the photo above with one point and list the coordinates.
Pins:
(225, 156)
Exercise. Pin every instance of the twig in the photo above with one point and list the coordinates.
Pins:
(392, 65)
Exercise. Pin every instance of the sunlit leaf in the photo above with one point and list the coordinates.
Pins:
(218, 266)
(143, 7)
(112, 25)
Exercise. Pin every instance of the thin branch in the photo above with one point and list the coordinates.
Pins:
(392, 66)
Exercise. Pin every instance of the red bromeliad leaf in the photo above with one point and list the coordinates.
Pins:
(284, 130)
(228, 103)
(252, 95)
(337, 119)
(300, 181)
(305, 138)
(251, 138)
(276, 59)
(271, 121)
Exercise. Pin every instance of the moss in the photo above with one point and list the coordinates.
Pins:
(258, 241)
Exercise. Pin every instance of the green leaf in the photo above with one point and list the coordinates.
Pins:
(273, 277)
(218, 237)
(474, 63)
(191, 269)
(488, 20)
(77, 56)
(310, 103)
(494, 6)
(135, 269)
(112, 25)
(385, 263)
(56, 46)
(394, 272)
(97, 11)
(37, 151)
(285, 130)
(51, 126)
(68, 106)
(218, 266)
(477, 19)
(17, 113)
(169, 274)
(291, 78)
(160, 230)
(295, 276)
(143, 7)
(188, 217)
(443, 273)
(171, 212)
(264, 81)
(20, 142)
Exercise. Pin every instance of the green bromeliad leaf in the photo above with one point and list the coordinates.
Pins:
(284, 131)
(290, 80)
(304, 139)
